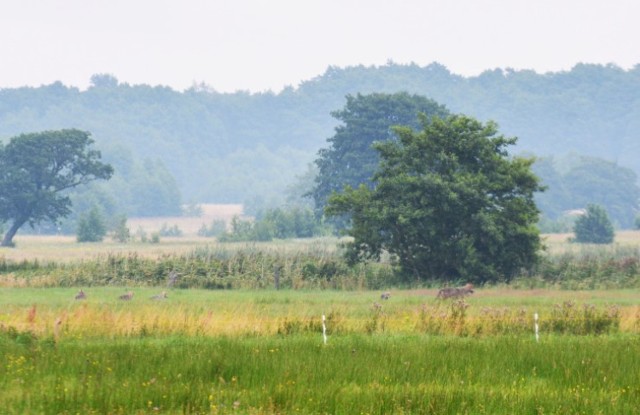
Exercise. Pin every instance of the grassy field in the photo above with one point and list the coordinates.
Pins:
(240, 313)
(263, 351)
(66, 249)
(558, 242)
(354, 374)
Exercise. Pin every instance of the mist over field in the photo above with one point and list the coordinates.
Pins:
(201, 146)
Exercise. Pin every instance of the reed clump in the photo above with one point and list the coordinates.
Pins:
(309, 267)
(206, 268)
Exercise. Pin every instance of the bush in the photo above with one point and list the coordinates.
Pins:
(174, 230)
(192, 210)
(91, 227)
(241, 230)
(274, 223)
(563, 224)
(141, 234)
(217, 228)
(292, 223)
(594, 227)
(121, 232)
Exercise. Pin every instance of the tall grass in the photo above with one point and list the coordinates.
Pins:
(53, 312)
(309, 264)
(261, 352)
(591, 267)
(205, 267)
(354, 374)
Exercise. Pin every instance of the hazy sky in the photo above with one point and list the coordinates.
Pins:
(267, 44)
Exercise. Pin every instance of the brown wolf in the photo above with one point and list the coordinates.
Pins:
(455, 292)
(81, 295)
(128, 296)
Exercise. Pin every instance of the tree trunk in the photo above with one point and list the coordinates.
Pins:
(8, 237)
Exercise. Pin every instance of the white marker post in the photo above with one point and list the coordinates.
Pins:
(324, 330)
(535, 317)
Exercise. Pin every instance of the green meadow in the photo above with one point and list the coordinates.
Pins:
(352, 374)
(312, 347)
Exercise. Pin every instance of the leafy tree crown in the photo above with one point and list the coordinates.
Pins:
(448, 203)
(594, 226)
(365, 119)
(37, 170)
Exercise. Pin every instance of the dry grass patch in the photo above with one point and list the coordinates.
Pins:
(558, 243)
(188, 225)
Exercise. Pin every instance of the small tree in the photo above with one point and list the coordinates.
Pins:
(217, 228)
(594, 227)
(91, 227)
(167, 230)
(121, 232)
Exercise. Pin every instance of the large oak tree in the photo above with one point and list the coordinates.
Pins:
(448, 203)
(35, 171)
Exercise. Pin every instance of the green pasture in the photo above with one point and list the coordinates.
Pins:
(262, 351)
(353, 374)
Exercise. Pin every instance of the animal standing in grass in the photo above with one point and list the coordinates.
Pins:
(126, 297)
(160, 296)
(81, 295)
(385, 295)
(455, 292)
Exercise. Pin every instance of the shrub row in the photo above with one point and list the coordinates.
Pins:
(219, 268)
(209, 269)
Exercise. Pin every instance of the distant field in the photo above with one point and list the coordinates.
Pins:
(65, 248)
(558, 242)
(188, 225)
(262, 351)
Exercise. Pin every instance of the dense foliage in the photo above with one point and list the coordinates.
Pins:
(574, 182)
(583, 267)
(447, 203)
(234, 147)
(594, 226)
(276, 223)
(37, 169)
(91, 226)
(351, 160)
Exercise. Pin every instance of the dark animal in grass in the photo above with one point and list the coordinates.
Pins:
(160, 296)
(81, 295)
(126, 297)
(455, 292)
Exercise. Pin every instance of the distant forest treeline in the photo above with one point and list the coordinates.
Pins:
(169, 147)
